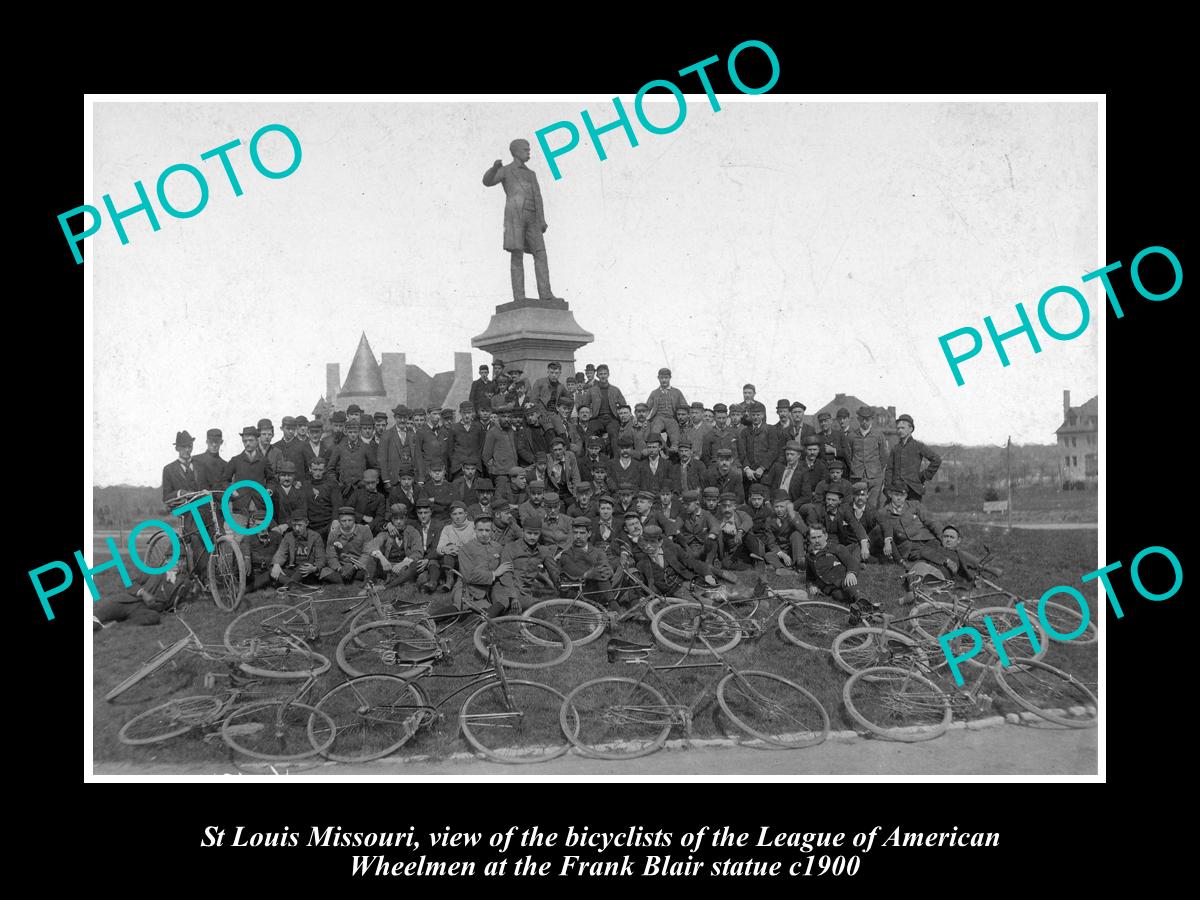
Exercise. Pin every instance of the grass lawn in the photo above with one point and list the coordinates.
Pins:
(1033, 561)
(1033, 503)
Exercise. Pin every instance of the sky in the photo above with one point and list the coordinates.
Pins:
(810, 248)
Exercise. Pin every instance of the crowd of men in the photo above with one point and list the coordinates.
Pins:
(566, 481)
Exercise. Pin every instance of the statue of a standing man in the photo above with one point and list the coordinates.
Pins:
(524, 219)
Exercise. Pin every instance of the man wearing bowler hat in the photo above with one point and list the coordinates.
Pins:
(249, 465)
(179, 475)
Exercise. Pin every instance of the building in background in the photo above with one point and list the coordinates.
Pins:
(379, 386)
(885, 416)
(1078, 444)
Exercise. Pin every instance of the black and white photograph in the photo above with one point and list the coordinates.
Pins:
(533, 438)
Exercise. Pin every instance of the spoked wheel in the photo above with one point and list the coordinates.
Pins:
(159, 550)
(264, 622)
(168, 720)
(679, 626)
(387, 648)
(1066, 620)
(523, 643)
(515, 722)
(897, 704)
(931, 619)
(385, 612)
(773, 709)
(278, 731)
(582, 621)
(150, 666)
(227, 574)
(1050, 693)
(857, 649)
(284, 658)
(617, 718)
(1019, 646)
(813, 624)
(373, 716)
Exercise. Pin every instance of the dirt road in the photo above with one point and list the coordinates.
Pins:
(1003, 750)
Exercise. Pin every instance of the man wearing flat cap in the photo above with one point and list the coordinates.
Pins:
(724, 477)
(657, 471)
(249, 465)
(346, 551)
(397, 447)
(721, 436)
(287, 497)
(788, 475)
(758, 445)
(481, 388)
(605, 401)
(210, 466)
(661, 406)
(868, 455)
(291, 445)
(350, 459)
(666, 568)
(911, 461)
(583, 562)
(466, 439)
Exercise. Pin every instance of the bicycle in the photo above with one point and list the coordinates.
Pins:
(905, 703)
(508, 720)
(417, 638)
(617, 718)
(274, 729)
(863, 647)
(281, 657)
(1061, 618)
(303, 619)
(226, 567)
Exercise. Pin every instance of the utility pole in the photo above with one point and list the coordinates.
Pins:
(1008, 469)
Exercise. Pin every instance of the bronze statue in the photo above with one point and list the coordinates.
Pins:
(524, 219)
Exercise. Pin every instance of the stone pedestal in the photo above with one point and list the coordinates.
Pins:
(533, 333)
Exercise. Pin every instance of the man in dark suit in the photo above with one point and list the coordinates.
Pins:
(689, 472)
(397, 449)
(180, 476)
(787, 475)
(466, 439)
(657, 471)
(605, 401)
(624, 467)
(758, 445)
(666, 568)
(724, 478)
(904, 461)
(209, 464)
(481, 388)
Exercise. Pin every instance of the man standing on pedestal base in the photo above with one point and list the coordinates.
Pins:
(524, 219)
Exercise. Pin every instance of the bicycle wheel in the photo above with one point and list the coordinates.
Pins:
(284, 658)
(1048, 692)
(616, 718)
(582, 621)
(373, 717)
(227, 574)
(773, 709)
(150, 666)
(168, 720)
(1065, 620)
(812, 624)
(277, 731)
(515, 722)
(266, 621)
(897, 704)
(863, 648)
(523, 643)
(386, 648)
(679, 627)
(158, 550)
(931, 619)
(1019, 646)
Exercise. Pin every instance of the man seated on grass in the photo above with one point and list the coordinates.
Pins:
(907, 527)
(453, 536)
(666, 568)
(947, 560)
(301, 555)
(143, 603)
(531, 560)
(396, 549)
(833, 570)
(583, 562)
(346, 552)
(482, 573)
